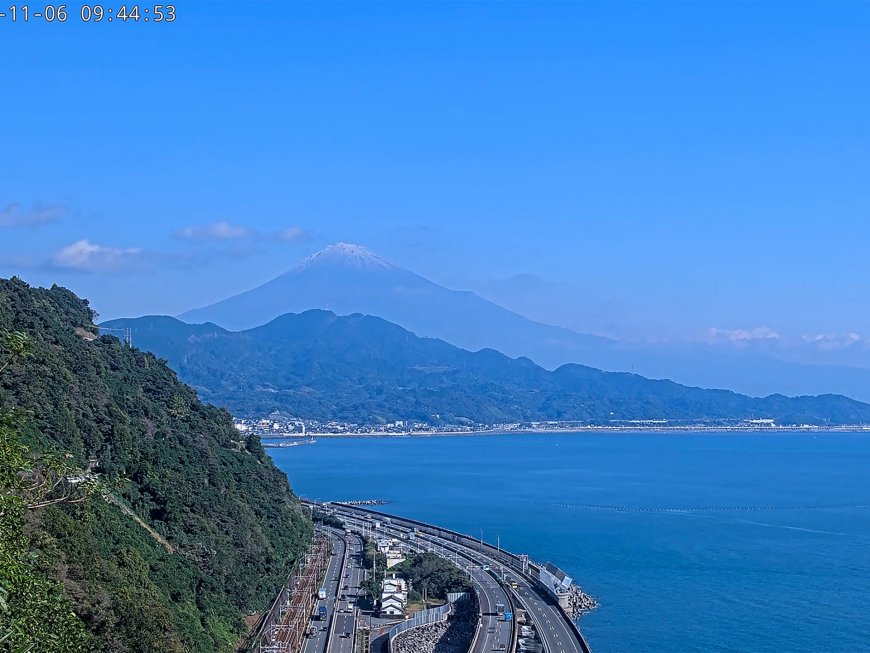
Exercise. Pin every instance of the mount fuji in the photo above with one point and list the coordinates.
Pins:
(346, 279)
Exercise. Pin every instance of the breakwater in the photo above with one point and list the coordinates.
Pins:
(288, 443)
(579, 602)
(660, 509)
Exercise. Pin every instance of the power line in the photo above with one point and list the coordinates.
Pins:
(127, 331)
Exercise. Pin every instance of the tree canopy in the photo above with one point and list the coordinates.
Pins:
(189, 526)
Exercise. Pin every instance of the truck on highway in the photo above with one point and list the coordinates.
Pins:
(321, 613)
(321, 594)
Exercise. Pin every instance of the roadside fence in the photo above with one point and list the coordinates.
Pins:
(429, 616)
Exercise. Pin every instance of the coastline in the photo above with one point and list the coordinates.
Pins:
(596, 429)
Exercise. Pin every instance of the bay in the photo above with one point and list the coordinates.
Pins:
(691, 541)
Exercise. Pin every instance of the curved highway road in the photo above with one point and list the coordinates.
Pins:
(494, 633)
(554, 629)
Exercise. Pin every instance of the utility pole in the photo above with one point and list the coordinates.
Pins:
(374, 574)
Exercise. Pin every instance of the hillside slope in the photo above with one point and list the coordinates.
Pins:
(223, 527)
(360, 368)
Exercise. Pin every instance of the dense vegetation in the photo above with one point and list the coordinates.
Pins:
(321, 517)
(34, 612)
(433, 574)
(362, 369)
(192, 526)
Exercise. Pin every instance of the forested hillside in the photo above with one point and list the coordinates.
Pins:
(187, 526)
(359, 368)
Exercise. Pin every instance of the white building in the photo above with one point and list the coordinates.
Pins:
(394, 597)
(392, 607)
(394, 559)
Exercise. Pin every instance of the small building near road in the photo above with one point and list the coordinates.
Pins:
(394, 596)
(392, 549)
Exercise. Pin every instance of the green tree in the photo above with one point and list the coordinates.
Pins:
(432, 573)
(199, 530)
(35, 616)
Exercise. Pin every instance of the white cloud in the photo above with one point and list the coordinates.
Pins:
(215, 231)
(86, 256)
(716, 335)
(830, 341)
(290, 234)
(14, 216)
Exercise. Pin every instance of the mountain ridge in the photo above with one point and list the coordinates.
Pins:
(349, 279)
(319, 365)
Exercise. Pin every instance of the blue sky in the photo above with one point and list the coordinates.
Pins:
(643, 170)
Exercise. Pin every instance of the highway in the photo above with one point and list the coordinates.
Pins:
(319, 643)
(557, 635)
(349, 579)
(494, 633)
(554, 628)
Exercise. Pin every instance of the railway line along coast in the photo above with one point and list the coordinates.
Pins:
(517, 605)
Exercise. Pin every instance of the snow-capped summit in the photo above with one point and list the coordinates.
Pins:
(344, 254)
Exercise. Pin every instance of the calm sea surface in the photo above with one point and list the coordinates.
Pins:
(691, 542)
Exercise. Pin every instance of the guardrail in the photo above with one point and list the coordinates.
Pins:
(515, 630)
(424, 617)
(576, 630)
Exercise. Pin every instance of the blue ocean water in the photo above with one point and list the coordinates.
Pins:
(691, 542)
